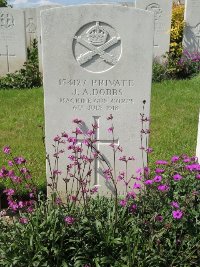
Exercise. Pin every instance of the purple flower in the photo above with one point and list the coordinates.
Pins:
(3, 172)
(69, 220)
(157, 171)
(77, 121)
(110, 130)
(58, 201)
(177, 177)
(137, 186)
(157, 179)
(123, 202)
(177, 214)
(161, 162)
(174, 158)
(149, 150)
(174, 204)
(10, 163)
(198, 176)
(23, 220)
(133, 208)
(9, 192)
(131, 194)
(94, 190)
(19, 160)
(163, 187)
(6, 150)
(148, 182)
(159, 218)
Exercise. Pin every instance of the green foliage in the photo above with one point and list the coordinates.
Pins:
(27, 77)
(178, 64)
(3, 3)
(176, 37)
(137, 238)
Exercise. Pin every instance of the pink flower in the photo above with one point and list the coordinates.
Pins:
(137, 186)
(177, 177)
(57, 138)
(177, 214)
(198, 176)
(174, 204)
(64, 134)
(77, 121)
(148, 182)
(73, 198)
(131, 194)
(94, 190)
(149, 150)
(58, 201)
(123, 202)
(19, 160)
(163, 188)
(159, 170)
(69, 220)
(110, 130)
(133, 208)
(23, 220)
(6, 150)
(3, 172)
(157, 179)
(121, 175)
(9, 192)
(10, 163)
(174, 158)
(161, 162)
(159, 218)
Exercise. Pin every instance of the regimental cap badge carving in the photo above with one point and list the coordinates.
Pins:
(97, 47)
(97, 35)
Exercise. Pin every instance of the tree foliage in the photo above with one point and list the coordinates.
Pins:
(3, 3)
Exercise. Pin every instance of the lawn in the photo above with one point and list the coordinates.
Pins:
(174, 120)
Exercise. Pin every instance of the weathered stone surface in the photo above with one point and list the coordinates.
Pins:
(90, 77)
(191, 40)
(163, 12)
(31, 25)
(12, 40)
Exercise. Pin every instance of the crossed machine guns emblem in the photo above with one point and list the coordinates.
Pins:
(95, 40)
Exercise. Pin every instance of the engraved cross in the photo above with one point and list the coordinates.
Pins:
(98, 143)
(7, 55)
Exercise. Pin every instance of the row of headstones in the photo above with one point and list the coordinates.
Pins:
(15, 35)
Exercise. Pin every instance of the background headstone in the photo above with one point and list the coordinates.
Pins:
(191, 40)
(12, 40)
(163, 13)
(31, 25)
(38, 13)
(82, 82)
(198, 142)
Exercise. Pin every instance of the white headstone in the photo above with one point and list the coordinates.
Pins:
(191, 40)
(12, 40)
(162, 10)
(198, 141)
(38, 13)
(91, 78)
(31, 25)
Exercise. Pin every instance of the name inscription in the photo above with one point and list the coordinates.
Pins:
(95, 95)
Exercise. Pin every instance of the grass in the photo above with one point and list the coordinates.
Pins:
(174, 112)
